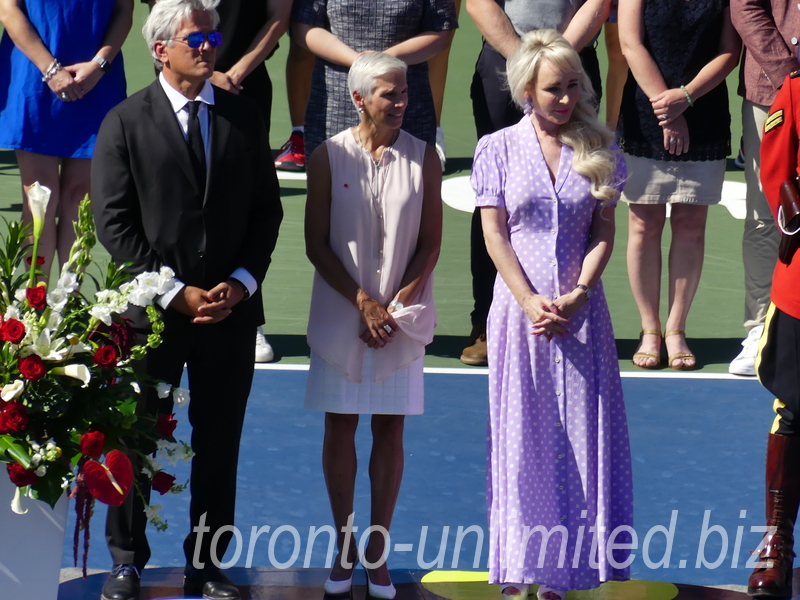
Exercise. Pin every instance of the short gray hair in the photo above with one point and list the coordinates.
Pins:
(166, 16)
(367, 68)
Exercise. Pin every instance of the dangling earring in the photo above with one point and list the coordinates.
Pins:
(528, 105)
(361, 109)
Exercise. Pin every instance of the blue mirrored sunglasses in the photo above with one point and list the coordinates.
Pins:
(196, 39)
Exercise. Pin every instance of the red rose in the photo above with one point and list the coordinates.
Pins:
(36, 296)
(92, 443)
(20, 476)
(12, 331)
(32, 367)
(106, 356)
(39, 260)
(166, 425)
(163, 482)
(13, 418)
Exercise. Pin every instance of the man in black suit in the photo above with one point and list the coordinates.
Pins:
(183, 177)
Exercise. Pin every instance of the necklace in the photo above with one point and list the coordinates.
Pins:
(378, 183)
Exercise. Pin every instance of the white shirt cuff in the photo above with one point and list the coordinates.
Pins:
(243, 275)
(165, 299)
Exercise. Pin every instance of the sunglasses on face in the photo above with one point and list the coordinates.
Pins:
(196, 39)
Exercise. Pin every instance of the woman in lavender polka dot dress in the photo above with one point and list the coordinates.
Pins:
(559, 485)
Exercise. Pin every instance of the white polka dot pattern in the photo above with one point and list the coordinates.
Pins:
(558, 447)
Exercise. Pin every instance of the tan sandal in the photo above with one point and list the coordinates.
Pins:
(656, 355)
(680, 355)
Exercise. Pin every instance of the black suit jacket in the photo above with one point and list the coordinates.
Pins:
(149, 209)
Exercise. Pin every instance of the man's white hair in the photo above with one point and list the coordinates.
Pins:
(163, 21)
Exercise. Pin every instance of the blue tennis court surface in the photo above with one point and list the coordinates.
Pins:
(697, 442)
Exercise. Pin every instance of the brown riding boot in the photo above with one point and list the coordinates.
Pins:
(783, 495)
(475, 354)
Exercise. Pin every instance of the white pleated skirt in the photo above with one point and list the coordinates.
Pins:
(328, 389)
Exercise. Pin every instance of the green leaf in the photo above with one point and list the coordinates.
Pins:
(12, 448)
(48, 489)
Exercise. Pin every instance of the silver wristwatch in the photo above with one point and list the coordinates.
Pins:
(587, 292)
(396, 305)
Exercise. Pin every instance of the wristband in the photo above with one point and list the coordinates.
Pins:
(105, 66)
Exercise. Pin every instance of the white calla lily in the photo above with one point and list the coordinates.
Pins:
(16, 503)
(38, 198)
(13, 390)
(80, 372)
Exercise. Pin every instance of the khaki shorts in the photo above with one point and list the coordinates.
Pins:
(680, 182)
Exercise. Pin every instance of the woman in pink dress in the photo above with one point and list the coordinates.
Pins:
(559, 460)
(373, 230)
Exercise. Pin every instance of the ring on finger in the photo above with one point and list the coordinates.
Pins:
(387, 328)
(64, 95)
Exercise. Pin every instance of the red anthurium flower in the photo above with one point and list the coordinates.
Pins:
(109, 482)
(20, 476)
(166, 425)
(92, 443)
(36, 296)
(32, 367)
(163, 482)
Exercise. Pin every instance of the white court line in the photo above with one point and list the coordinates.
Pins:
(485, 371)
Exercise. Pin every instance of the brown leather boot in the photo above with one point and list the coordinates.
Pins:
(783, 495)
(475, 354)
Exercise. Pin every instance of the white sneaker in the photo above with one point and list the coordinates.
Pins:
(264, 352)
(441, 147)
(745, 363)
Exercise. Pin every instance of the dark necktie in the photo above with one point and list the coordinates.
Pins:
(198, 153)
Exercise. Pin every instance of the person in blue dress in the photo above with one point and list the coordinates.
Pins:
(60, 72)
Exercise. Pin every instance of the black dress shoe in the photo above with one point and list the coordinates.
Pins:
(122, 584)
(211, 583)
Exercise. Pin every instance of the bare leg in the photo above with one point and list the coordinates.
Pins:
(299, 65)
(75, 183)
(616, 76)
(44, 169)
(385, 474)
(686, 253)
(645, 226)
(339, 465)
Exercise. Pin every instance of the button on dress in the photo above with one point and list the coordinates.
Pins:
(558, 451)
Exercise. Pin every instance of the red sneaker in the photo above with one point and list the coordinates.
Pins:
(292, 155)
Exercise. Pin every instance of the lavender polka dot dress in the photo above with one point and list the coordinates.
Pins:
(558, 453)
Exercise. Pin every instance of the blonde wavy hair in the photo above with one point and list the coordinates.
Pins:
(590, 139)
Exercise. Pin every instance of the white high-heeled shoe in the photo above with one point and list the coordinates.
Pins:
(522, 593)
(379, 592)
(339, 588)
(543, 589)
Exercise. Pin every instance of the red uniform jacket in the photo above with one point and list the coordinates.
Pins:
(780, 160)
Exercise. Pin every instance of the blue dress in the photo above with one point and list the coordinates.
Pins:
(32, 118)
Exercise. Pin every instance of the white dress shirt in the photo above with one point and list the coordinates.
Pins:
(180, 104)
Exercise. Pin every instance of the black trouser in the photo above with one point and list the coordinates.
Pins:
(493, 109)
(778, 367)
(219, 359)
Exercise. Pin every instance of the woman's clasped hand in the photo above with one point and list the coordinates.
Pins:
(381, 327)
(546, 316)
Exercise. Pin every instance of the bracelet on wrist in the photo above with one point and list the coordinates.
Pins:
(688, 96)
(51, 70)
(105, 66)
